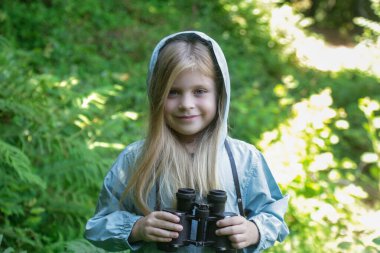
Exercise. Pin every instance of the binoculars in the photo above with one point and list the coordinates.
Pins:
(206, 215)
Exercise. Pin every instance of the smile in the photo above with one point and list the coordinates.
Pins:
(187, 117)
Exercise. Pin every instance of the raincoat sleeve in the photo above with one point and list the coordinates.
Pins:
(111, 225)
(265, 204)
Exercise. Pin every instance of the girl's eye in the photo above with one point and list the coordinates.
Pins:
(200, 92)
(173, 93)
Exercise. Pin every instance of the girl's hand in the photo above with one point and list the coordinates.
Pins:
(241, 232)
(156, 227)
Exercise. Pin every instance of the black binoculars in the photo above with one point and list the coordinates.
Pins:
(206, 215)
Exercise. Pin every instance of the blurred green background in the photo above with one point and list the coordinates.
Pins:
(305, 90)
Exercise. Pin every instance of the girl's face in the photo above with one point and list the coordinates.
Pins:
(191, 104)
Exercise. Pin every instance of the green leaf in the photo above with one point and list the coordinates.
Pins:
(9, 250)
(37, 210)
(344, 245)
(20, 163)
(376, 240)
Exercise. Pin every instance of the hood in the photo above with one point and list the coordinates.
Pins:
(221, 61)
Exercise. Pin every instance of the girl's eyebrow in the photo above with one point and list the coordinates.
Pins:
(198, 85)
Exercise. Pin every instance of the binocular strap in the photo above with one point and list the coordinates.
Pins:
(236, 178)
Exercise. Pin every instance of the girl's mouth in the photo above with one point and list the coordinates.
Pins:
(187, 117)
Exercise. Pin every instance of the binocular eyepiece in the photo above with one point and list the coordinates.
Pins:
(206, 215)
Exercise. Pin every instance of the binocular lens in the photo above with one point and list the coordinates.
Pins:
(217, 199)
(186, 192)
(185, 199)
(218, 196)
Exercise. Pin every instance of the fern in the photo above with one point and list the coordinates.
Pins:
(83, 246)
(13, 158)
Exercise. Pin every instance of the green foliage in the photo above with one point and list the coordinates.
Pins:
(336, 17)
(371, 28)
(72, 95)
(82, 245)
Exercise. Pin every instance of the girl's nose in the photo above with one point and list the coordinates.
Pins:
(186, 102)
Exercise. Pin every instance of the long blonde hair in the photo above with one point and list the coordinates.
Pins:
(162, 156)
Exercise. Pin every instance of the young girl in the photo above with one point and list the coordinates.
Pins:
(187, 146)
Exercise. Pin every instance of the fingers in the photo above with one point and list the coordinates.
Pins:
(239, 230)
(230, 230)
(236, 234)
(231, 226)
(166, 216)
(231, 221)
(238, 239)
(163, 220)
(159, 235)
(159, 226)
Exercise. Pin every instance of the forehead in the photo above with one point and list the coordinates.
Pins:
(193, 78)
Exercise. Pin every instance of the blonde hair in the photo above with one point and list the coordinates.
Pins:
(163, 157)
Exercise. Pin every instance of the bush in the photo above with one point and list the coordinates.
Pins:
(72, 78)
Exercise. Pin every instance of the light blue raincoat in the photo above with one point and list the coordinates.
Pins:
(263, 202)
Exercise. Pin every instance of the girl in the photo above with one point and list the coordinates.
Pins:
(187, 146)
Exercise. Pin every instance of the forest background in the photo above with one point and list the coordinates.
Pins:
(305, 90)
